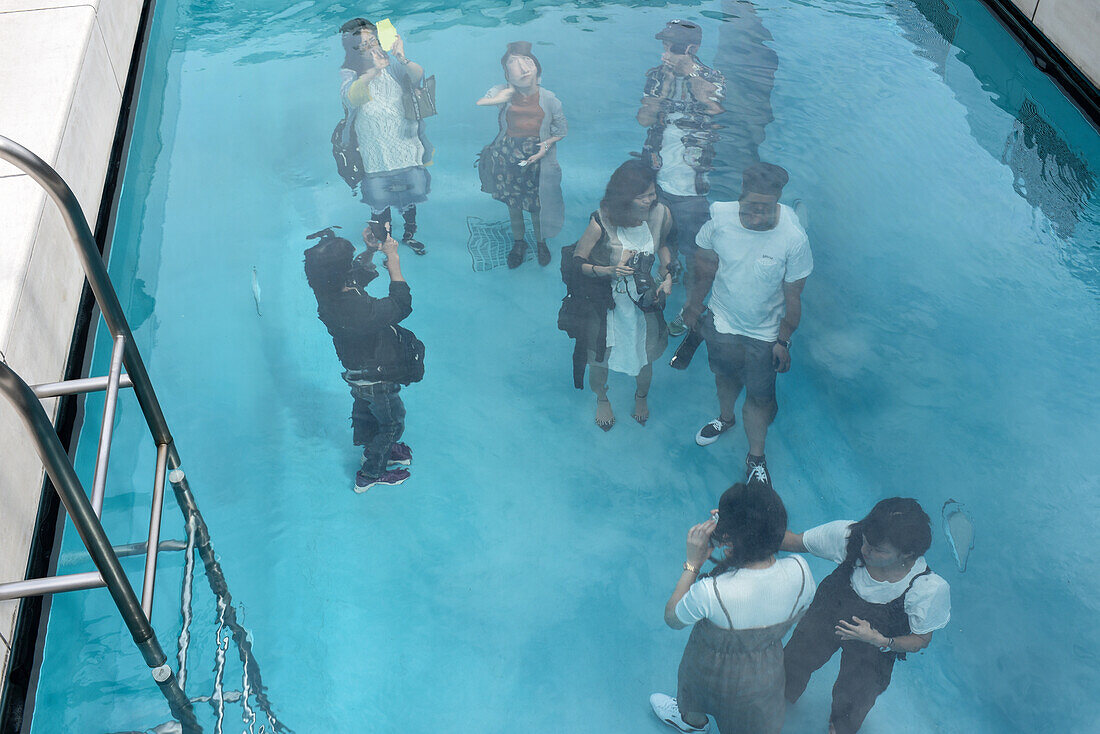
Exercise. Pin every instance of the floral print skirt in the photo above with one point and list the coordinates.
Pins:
(516, 186)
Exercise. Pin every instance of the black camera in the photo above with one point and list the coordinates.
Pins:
(682, 358)
(649, 298)
(362, 271)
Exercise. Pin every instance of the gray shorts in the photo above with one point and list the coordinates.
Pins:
(742, 358)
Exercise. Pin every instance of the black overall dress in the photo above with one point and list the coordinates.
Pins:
(864, 669)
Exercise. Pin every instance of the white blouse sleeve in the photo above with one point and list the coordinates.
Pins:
(829, 541)
(494, 91)
(928, 604)
(347, 76)
(695, 604)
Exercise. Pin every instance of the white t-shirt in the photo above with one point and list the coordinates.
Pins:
(747, 296)
(754, 597)
(675, 176)
(928, 603)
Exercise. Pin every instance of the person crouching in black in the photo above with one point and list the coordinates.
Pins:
(377, 354)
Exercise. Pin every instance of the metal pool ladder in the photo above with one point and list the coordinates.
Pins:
(84, 511)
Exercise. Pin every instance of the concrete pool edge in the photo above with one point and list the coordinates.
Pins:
(83, 131)
(1055, 49)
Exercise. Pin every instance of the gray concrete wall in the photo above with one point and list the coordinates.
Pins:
(1073, 26)
(62, 71)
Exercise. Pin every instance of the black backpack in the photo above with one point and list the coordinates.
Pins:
(345, 149)
(413, 353)
(396, 360)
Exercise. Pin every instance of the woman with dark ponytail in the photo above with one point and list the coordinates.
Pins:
(881, 602)
(732, 667)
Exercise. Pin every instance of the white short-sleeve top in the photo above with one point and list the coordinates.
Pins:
(928, 603)
(747, 295)
(754, 597)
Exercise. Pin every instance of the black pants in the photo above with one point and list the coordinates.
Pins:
(377, 422)
(689, 213)
(409, 215)
(864, 670)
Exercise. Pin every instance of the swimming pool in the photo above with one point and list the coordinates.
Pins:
(516, 582)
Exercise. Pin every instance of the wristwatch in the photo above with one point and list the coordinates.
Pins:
(785, 344)
(889, 644)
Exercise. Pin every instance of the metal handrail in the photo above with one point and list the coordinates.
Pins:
(85, 512)
(64, 479)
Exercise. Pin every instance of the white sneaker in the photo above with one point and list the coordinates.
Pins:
(667, 711)
(709, 433)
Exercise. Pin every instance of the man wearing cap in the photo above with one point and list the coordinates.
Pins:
(757, 257)
(681, 98)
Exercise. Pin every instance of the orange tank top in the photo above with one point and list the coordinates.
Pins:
(524, 116)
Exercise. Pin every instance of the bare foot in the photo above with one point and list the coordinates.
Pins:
(641, 408)
(605, 418)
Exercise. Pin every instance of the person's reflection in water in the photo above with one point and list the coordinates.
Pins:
(681, 98)
(520, 167)
(395, 150)
(749, 65)
(881, 602)
(619, 246)
(732, 667)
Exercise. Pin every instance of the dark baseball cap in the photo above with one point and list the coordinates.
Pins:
(681, 32)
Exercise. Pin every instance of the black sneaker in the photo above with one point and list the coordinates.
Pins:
(709, 433)
(415, 245)
(400, 455)
(389, 478)
(756, 470)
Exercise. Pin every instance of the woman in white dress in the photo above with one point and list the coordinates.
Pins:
(623, 240)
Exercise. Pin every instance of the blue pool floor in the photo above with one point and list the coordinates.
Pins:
(517, 581)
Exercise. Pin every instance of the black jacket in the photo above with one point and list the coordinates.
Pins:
(360, 325)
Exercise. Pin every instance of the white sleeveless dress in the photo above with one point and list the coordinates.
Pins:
(626, 324)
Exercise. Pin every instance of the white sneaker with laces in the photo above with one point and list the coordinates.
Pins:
(667, 711)
(757, 471)
(709, 433)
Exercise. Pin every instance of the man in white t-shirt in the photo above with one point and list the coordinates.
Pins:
(881, 602)
(754, 258)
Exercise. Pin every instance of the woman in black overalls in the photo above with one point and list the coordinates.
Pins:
(887, 546)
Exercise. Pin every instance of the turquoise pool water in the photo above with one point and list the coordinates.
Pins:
(516, 582)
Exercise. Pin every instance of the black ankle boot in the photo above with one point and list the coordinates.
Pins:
(515, 257)
(543, 253)
(417, 246)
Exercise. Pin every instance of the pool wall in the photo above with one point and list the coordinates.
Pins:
(1072, 25)
(65, 72)
(1060, 37)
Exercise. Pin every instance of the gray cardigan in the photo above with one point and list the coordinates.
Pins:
(552, 213)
